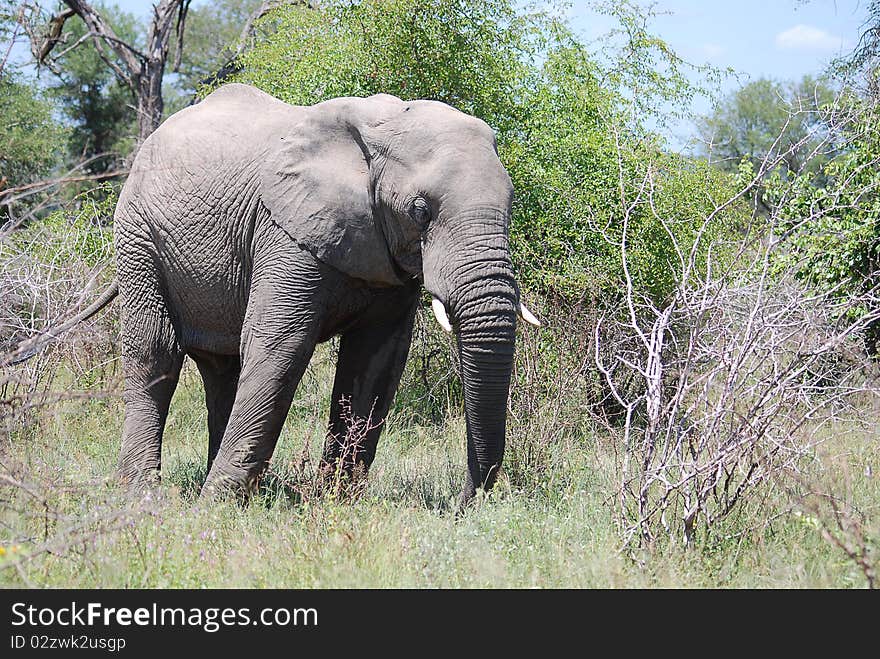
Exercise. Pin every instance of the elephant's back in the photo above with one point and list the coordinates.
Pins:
(190, 204)
(205, 156)
(231, 113)
(233, 124)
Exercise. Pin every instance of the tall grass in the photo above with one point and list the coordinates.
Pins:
(549, 522)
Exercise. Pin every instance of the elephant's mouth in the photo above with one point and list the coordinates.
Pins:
(410, 260)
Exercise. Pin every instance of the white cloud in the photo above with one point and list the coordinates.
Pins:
(809, 38)
(712, 50)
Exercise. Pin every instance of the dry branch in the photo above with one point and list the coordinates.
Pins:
(737, 372)
(140, 70)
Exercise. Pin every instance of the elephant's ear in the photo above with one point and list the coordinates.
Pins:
(316, 185)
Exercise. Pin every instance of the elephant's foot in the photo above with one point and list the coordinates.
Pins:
(342, 479)
(137, 482)
(232, 482)
(466, 498)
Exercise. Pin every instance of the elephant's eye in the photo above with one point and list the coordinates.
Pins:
(420, 213)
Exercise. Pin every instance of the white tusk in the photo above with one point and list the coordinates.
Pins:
(528, 316)
(440, 313)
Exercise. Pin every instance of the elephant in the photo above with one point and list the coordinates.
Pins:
(249, 230)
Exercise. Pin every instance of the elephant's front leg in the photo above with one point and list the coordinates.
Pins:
(371, 360)
(278, 338)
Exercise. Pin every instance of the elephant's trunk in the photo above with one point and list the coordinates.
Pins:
(481, 296)
(485, 348)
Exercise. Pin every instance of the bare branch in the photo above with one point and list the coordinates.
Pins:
(726, 387)
(18, 24)
(179, 30)
(43, 44)
(15, 194)
(71, 47)
(102, 31)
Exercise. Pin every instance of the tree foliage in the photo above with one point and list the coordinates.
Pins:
(466, 54)
(826, 131)
(769, 119)
(99, 109)
(831, 220)
(28, 132)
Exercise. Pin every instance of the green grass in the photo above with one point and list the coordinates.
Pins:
(557, 530)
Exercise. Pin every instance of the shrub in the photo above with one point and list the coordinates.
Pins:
(830, 221)
(54, 267)
(28, 135)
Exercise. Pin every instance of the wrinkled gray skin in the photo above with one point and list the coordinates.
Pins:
(250, 230)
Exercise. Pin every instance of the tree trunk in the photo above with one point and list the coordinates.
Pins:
(149, 97)
(141, 71)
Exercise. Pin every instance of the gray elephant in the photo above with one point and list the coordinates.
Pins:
(250, 230)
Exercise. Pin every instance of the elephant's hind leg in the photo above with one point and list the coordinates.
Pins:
(220, 376)
(152, 359)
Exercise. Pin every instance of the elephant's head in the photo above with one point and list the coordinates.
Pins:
(388, 191)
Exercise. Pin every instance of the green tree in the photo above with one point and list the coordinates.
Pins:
(28, 133)
(832, 226)
(464, 53)
(829, 215)
(582, 172)
(100, 110)
(768, 119)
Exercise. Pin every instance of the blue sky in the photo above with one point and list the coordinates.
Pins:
(782, 39)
